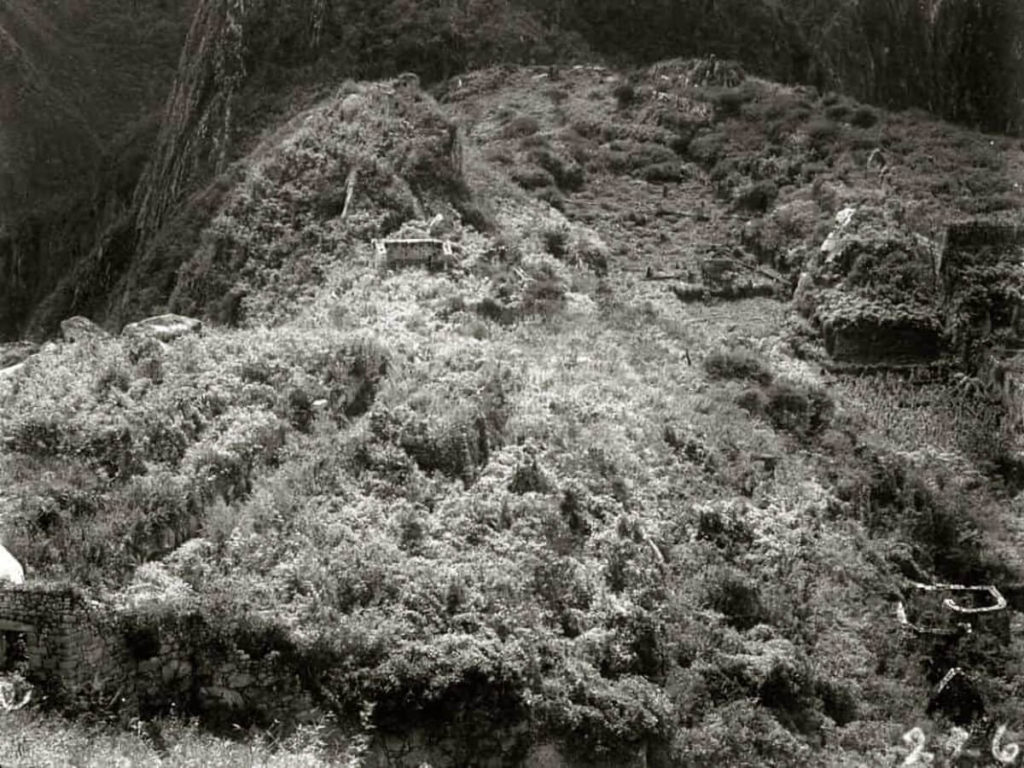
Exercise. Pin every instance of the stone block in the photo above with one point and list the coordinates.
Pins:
(164, 328)
(240, 680)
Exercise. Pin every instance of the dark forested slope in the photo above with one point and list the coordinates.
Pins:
(80, 87)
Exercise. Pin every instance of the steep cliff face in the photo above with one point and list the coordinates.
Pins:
(44, 139)
(196, 128)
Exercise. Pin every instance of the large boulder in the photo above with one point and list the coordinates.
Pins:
(163, 327)
(79, 328)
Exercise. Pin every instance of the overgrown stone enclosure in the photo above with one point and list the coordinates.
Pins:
(881, 295)
(83, 652)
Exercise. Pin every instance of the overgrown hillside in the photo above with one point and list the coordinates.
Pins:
(590, 497)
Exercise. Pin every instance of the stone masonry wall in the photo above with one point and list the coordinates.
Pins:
(80, 649)
(68, 640)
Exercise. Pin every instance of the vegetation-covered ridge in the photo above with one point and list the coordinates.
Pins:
(537, 489)
(112, 179)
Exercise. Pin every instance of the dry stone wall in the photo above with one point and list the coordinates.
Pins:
(84, 651)
(69, 643)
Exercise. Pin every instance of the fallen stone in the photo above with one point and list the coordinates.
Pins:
(16, 352)
(163, 327)
(352, 106)
(78, 328)
(240, 680)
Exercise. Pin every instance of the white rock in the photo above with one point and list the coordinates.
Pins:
(163, 327)
(10, 371)
(10, 568)
(845, 216)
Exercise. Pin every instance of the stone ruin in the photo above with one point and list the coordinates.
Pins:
(727, 275)
(84, 653)
(434, 254)
(970, 305)
(715, 72)
(966, 610)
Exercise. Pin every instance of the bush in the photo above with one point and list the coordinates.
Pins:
(738, 600)
(545, 291)
(567, 173)
(552, 196)
(523, 125)
(837, 112)
(625, 94)
(864, 117)
(556, 240)
(729, 102)
(798, 408)
(737, 364)
(629, 156)
(671, 171)
(822, 132)
(531, 177)
(757, 198)
(708, 148)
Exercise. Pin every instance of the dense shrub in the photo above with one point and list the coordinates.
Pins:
(737, 364)
(837, 112)
(822, 133)
(521, 126)
(556, 240)
(729, 102)
(545, 291)
(737, 599)
(567, 173)
(798, 408)
(864, 117)
(532, 177)
(625, 94)
(671, 171)
(757, 198)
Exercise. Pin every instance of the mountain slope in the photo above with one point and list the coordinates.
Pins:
(541, 490)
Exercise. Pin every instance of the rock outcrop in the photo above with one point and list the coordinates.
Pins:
(79, 328)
